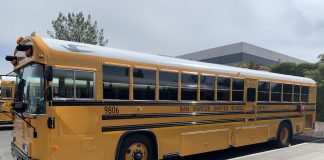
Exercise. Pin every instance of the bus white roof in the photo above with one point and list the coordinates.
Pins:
(88, 49)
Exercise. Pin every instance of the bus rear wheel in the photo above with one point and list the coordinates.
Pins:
(284, 135)
(136, 147)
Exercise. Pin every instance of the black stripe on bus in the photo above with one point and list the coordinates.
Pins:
(276, 117)
(156, 103)
(285, 103)
(164, 115)
(169, 124)
(160, 115)
(137, 103)
(284, 110)
(5, 122)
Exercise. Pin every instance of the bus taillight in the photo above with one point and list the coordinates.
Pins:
(19, 40)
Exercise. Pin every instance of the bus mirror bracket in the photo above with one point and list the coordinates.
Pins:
(49, 73)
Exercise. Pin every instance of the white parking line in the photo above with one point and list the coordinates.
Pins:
(260, 153)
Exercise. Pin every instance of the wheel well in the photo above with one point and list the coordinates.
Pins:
(146, 133)
(289, 123)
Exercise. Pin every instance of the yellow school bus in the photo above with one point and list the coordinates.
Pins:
(80, 101)
(7, 87)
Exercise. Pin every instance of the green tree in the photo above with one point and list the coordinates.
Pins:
(310, 70)
(304, 67)
(251, 65)
(313, 74)
(284, 68)
(320, 88)
(242, 64)
(321, 72)
(77, 28)
(321, 57)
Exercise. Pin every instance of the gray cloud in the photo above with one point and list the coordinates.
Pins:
(174, 27)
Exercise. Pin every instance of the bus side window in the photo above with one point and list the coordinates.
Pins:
(263, 91)
(71, 84)
(296, 93)
(237, 89)
(7, 92)
(144, 84)
(84, 84)
(168, 85)
(115, 82)
(63, 84)
(304, 93)
(287, 92)
(223, 88)
(276, 89)
(189, 86)
(251, 94)
(207, 88)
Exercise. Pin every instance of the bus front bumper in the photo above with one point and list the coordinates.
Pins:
(18, 154)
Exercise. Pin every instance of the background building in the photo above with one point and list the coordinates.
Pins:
(238, 52)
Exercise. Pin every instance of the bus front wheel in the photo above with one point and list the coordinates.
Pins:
(136, 147)
(284, 135)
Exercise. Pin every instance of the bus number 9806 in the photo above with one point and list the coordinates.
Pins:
(111, 110)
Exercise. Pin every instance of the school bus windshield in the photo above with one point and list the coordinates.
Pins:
(30, 84)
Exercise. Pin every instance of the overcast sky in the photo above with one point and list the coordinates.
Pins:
(175, 27)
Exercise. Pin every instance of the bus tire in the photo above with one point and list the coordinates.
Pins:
(284, 135)
(137, 147)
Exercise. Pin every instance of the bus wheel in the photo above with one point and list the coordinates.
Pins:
(284, 135)
(136, 147)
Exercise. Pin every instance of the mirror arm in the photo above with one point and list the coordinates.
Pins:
(30, 125)
(48, 73)
(6, 113)
(49, 93)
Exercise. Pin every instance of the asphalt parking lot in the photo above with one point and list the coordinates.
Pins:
(305, 151)
(5, 139)
(266, 151)
(302, 148)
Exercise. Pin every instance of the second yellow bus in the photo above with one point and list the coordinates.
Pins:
(7, 88)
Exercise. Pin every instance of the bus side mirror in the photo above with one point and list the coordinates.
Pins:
(48, 93)
(49, 73)
(20, 107)
(10, 58)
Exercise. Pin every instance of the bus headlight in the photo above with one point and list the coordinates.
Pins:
(25, 146)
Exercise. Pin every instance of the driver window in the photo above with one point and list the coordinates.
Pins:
(72, 84)
(6, 92)
(63, 83)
